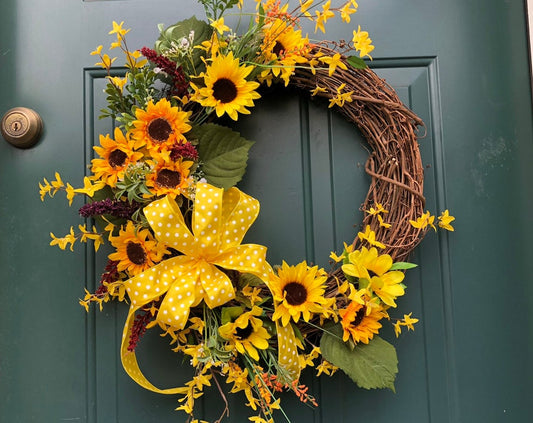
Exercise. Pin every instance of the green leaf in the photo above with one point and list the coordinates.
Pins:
(403, 265)
(298, 333)
(229, 314)
(261, 15)
(223, 153)
(356, 62)
(202, 32)
(249, 279)
(370, 366)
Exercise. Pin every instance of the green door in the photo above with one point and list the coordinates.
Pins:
(462, 66)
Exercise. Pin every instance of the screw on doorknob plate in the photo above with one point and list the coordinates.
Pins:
(21, 127)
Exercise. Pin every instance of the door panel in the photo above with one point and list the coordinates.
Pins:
(461, 66)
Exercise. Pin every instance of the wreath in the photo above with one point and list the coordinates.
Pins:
(162, 193)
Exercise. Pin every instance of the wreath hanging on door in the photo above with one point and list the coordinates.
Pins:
(162, 191)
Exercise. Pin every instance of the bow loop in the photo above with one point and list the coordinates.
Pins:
(250, 258)
(207, 218)
(152, 283)
(239, 214)
(168, 224)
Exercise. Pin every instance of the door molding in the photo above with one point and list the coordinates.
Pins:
(529, 13)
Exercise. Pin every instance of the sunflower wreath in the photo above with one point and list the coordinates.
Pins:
(162, 193)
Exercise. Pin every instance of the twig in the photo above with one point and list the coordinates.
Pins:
(226, 405)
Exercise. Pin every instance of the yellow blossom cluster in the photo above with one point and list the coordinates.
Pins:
(133, 58)
(407, 321)
(427, 219)
(82, 236)
(51, 188)
(115, 290)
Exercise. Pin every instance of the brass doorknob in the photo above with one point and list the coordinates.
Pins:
(21, 127)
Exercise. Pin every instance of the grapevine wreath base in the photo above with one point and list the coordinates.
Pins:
(394, 164)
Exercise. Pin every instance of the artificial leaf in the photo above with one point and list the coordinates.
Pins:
(297, 333)
(356, 62)
(402, 265)
(223, 153)
(229, 314)
(370, 366)
(249, 279)
(261, 15)
(182, 30)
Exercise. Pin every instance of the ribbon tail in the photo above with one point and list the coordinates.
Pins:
(129, 359)
(288, 352)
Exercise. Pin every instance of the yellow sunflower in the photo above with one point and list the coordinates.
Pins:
(298, 291)
(115, 156)
(360, 322)
(367, 264)
(136, 251)
(169, 177)
(226, 88)
(246, 334)
(283, 47)
(160, 126)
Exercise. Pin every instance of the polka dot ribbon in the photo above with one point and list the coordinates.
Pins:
(288, 352)
(220, 221)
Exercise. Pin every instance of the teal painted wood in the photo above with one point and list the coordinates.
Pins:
(461, 66)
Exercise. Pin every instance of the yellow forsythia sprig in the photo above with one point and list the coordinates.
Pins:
(51, 188)
(428, 220)
(83, 236)
(407, 321)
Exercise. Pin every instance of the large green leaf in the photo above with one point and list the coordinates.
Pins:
(182, 29)
(370, 366)
(223, 153)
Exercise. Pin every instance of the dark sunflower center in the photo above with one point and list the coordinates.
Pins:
(359, 316)
(168, 178)
(295, 293)
(244, 333)
(224, 90)
(136, 253)
(278, 49)
(117, 158)
(159, 130)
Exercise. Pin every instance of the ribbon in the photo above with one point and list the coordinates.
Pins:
(220, 221)
(288, 353)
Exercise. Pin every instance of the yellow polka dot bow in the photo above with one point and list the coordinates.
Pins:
(220, 221)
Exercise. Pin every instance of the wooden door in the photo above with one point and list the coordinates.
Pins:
(461, 66)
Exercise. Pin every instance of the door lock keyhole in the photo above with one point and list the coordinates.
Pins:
(16, 126)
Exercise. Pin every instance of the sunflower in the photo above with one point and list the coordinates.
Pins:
(284, 47)
(160, 126)
(368, 265)
(360, 322)
(115, 156)
(226, 88)
(136, 250)
(169, 177)
(246, 334)
(298, 291)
